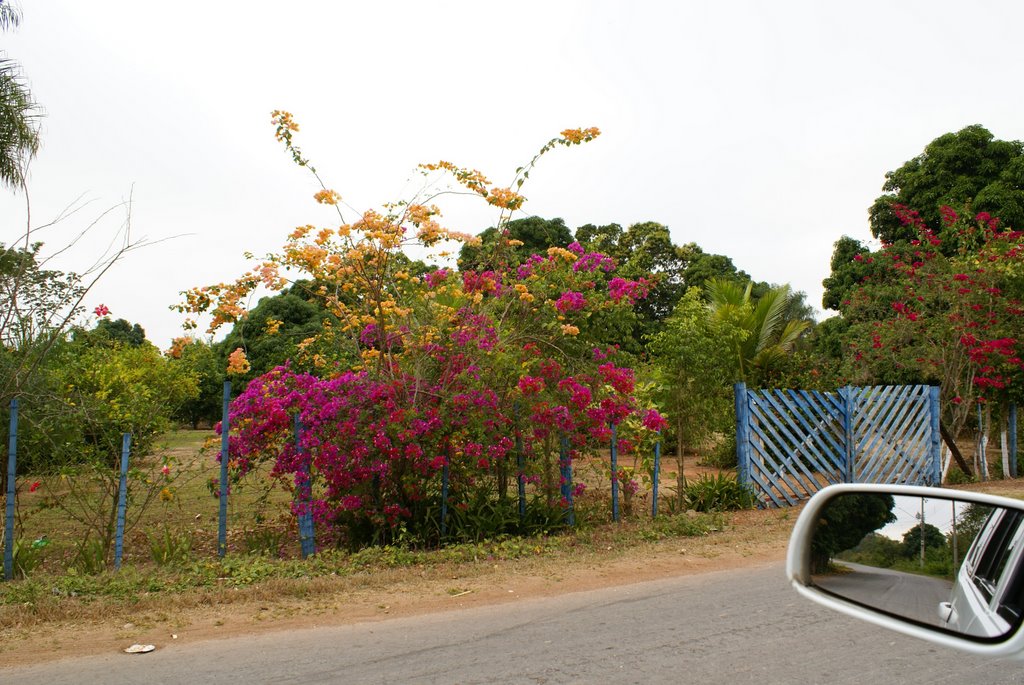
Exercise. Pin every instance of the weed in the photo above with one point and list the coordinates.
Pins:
(169, 548)
(264, 540)
(689, 524)
(956, 476)
(90, 557)
(29, 555)
(718, 493)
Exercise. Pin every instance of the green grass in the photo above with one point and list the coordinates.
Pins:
(242, 570)
(191, 516)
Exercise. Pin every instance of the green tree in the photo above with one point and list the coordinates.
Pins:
(768, 334)
(603, 238)
(273, 332)
(535, 234)
(852, 262)
(874, 550)
(19, 114)
(969, 168)
(73, 431)
(36, 305)
(933, 539)
(691, 369)
(89, 395)
(199, 360)
(699, 267)
(113, 332)
(845, 521)
(925, 317)
(646, 250)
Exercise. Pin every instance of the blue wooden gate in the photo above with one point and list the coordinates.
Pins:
(792, 443)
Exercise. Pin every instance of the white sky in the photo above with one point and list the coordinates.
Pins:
(759, 130)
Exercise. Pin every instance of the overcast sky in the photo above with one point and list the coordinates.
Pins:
(758, 130)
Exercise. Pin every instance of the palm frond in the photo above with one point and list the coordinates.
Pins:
(19, 130)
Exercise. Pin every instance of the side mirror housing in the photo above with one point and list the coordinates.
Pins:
(943, 565)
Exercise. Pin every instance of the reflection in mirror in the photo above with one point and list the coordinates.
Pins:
(940, 562)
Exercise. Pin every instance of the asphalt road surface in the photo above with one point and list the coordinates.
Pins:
(743, 626)
(903, 594)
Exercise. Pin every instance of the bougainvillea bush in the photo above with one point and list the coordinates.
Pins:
(944, 308)
(468, 372)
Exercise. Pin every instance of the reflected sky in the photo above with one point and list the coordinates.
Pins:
(938, 512)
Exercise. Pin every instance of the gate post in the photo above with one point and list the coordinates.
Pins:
(935, 453)
(742, 433)
(846, 394)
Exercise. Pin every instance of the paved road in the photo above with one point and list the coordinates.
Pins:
(732, 627)
(905, 594)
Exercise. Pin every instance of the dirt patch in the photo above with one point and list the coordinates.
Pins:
(751, 538)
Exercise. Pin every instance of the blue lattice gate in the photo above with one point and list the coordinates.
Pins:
(792, 443)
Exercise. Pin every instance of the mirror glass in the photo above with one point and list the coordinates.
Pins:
(939, 562)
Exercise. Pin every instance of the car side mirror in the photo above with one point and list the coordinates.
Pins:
(943, 565)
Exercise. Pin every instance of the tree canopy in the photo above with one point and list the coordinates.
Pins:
(969, 168)
(845, 521)
(535, 234)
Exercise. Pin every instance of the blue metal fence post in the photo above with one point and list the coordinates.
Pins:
(936, 436)
(122, 500)
(444, 498)
(742, 433)
(655, 476)
(847, 396)
(12, 469)
(520, 464)
(615, 473)
(307, 534)
(222, 528)
(1013, 439)
(566, 463)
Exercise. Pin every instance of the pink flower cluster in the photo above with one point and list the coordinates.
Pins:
(570, 301)
(620, 288)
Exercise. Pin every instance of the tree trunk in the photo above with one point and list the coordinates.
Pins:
(681, 474)
(986, 421)
(1004, 446)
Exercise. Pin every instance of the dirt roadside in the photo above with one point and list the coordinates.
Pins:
(751, 538)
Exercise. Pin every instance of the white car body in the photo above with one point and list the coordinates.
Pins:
(983, 604)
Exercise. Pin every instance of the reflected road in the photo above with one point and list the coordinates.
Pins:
(904, 594)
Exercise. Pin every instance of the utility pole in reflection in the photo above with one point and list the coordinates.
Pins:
(955, 550)
(922, 532)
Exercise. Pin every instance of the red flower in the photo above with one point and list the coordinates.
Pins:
(101, 310)
(34, 486)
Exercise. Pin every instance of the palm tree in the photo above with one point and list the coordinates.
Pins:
(769, 335)
(19, 133)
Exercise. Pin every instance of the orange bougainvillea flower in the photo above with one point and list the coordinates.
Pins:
(327, 197)
(575, 136)
(238, 363)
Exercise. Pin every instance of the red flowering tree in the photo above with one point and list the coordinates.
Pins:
(422, 373)
(952, 317)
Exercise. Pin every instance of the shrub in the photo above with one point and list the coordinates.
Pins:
(718, 493)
